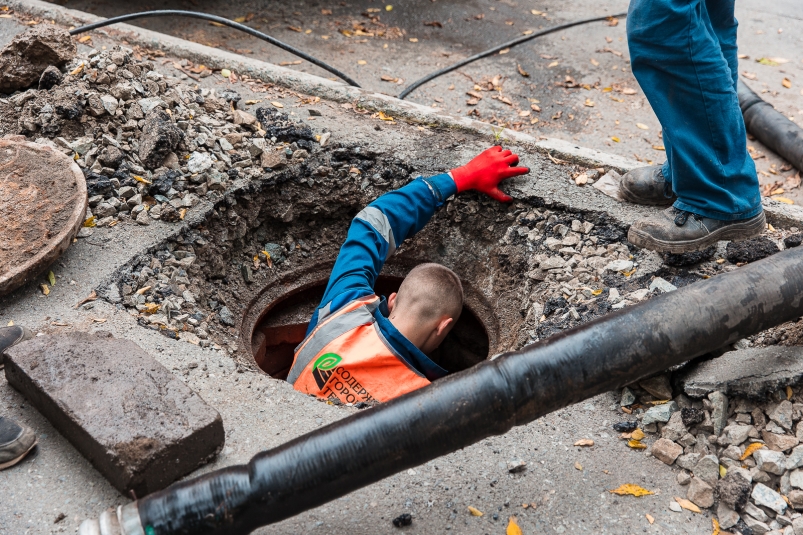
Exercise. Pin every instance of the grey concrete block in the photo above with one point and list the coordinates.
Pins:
(753, 372)
(137, 423)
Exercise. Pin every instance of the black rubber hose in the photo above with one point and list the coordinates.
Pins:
(770, 126)
(510, 44)
(221, 20)
(486, 400)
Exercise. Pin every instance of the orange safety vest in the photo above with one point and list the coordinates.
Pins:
(346, 357)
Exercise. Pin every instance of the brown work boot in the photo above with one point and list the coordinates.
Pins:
(10, 336)
(677, 231)
(16, 442)
(646, 185)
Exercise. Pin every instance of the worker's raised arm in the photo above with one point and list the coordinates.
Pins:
(383, 225)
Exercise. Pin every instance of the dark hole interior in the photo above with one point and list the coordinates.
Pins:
(279, 332)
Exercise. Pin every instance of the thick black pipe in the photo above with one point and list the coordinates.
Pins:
(486, 400)
(770, 126)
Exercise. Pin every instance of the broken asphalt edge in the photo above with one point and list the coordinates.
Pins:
(777, 213)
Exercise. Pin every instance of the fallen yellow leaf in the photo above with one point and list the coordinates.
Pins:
(596, 292)
(787, 83)
(659, 147)
(51, 278)
(388, 7)
(637, 434)
(77, 70)
(642, 126)
(578, 466)
(474, 511)
(504, 51)
(650, 518)
(362, 62)
(722, 471)
(614, 138)
(151, 308)
(385, 117)
(225, 73)
(784, 200)
(636, 444)
(512, 527)
(277, 104)
(85, 38)
(140, 179)
(10, 323)
(629, 489)
(789, 392)
(253, 101)
(686, 504)
(717, 531)
(413, 39)
(589, 103)
(553, 64)
(522, 71)
(536, 12)
(749, 450)
(659, 402)
(584, 442)
(594, 62)
(45, 289)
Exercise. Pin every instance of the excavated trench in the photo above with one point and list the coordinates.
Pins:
(214, 285)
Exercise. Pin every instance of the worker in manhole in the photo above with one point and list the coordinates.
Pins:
(362, 348)
(16, 440)
(684, 57)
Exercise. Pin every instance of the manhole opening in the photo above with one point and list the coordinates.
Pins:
(284, 324)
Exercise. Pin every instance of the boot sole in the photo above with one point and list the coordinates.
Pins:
(735, 232)
(12, 462)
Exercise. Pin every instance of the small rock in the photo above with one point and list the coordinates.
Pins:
(666, 451)
(755, 512)
(683, 478)
(657, 386)
(735, 434)
(25, 58)
(660, 413)
(764, 496)
(687, 440)
(405, 519)
(727, 516)
(707, 469)
(760, 476)
(756, 527)
(778, 442)
(674, 430)
(795, 459)
(675, 506)
(110, 104)
(619, 265)
(782, 415)
(796, 478)
(226, 317)
(700, 493)
(691, 416)
(199, 162)
(734, 490)
(688, 461)
(662, 285)
(719, 411)
(796, 499)
(148, 104)
(272, 159)
(143, 218)
(160, 136)
(732, 452)
(628, 397)
(51, 77)
(769, 461)
(514, 467)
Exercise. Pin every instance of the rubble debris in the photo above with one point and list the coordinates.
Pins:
(751, 250)
(159, 138)
(152, 428)
(404, 519)
(24, 60)
(689, 259)
(50, 78)
(753, 372)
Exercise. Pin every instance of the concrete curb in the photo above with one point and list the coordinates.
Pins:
(777, 213)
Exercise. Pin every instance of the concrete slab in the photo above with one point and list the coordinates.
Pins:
(136, 422)
(753, 372)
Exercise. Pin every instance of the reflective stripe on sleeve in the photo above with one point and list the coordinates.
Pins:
(379, 221)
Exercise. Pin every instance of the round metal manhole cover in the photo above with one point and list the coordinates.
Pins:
(42, 205)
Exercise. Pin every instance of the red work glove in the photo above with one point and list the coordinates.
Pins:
(486, 171)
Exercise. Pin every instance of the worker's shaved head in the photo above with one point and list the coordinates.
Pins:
(429, 292)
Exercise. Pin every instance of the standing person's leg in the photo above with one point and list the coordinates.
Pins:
(678, 61)
(16, 440)
(724, 25)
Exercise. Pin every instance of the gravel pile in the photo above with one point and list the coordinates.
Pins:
(150, 146)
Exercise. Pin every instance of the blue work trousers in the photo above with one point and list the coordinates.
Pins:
(683, 54)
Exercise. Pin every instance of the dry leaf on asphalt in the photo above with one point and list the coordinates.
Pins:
(642, 126)
(91, 297)
(636, 444)
(716, 531)
(512, 527)
(474, 511)
(277, 104)
(589, 103)
(650, 518)
(614, 138)
(45, 289)
(629, 489)
(787, 83)
(385, 117)
(578, 466)
(594, 62)
(686, 504)
(585, 441)
(522, 71)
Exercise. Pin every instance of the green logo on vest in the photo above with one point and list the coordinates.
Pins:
(322, 369)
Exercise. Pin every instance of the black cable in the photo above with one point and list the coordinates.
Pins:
(510, 44)
(221, 20)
